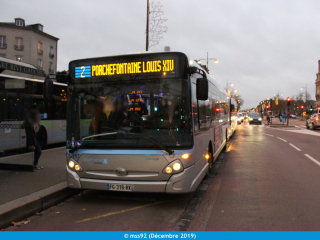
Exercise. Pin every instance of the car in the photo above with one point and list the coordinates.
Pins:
(292, 116)
(255, 118)
(240, 118)
(313, 122)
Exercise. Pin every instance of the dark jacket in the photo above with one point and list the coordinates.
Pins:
(31, 134)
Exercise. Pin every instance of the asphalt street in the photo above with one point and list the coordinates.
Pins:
(268, 180)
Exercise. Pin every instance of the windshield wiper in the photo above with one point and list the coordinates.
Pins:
(101, 134)
(170, 151)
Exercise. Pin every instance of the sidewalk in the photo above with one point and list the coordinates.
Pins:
(19, 189)
(16, 184)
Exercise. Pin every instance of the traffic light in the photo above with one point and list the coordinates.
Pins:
(302, 107)
(288, 101)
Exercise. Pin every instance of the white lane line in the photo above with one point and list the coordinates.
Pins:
(282, 139)
(300, 127)
(268, 134)
(312, 159)
(298, 149)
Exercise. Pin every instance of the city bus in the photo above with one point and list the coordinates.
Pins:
(147, 122)
(19, 95)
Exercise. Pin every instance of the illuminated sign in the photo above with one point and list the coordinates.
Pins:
(83, 71)
(140, 67)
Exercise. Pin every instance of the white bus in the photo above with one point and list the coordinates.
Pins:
(152, 122)
(19, 95)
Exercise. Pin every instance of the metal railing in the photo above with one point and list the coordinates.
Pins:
(40, 52)
(3, 45)
(40, 68)
(51, 55)
(19, 47)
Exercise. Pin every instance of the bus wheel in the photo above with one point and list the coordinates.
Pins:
(43, 137)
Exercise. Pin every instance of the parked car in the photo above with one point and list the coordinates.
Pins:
(313, 122)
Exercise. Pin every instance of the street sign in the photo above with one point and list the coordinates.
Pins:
(283, 118)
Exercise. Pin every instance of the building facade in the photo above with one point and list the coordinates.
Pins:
(318, 86)
(29, 44)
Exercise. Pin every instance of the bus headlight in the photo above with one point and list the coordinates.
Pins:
(71, 164)
(173, 167)
(168, 170)
(260, 119)
(176, 166)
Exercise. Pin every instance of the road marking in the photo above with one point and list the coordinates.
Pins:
(114, 213)
(312, 159)
(300, 127)
(268, 134)
(298, 149)
(282, 139)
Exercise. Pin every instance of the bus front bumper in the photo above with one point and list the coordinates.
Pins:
(184, 182)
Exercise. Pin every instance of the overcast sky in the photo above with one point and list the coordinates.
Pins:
(263, 47)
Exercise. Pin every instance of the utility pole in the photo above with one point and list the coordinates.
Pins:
(147, 31)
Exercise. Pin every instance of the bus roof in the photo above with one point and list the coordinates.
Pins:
(30, 79)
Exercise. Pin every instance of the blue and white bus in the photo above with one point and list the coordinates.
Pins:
(151, 122)
(18, 96)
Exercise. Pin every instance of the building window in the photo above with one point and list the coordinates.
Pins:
(2, 55)
(50, 67)
(51, 54)
(19, 23)
(19, 44)
(40, 28)
(3, 43)
(40, 64)
(19, 58)
(40, 51)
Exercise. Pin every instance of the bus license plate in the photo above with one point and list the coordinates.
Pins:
(120, 187)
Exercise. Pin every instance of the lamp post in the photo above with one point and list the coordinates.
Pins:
(306, 92)
(231, 84)
(214, 59)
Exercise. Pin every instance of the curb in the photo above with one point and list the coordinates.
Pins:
(24, 207)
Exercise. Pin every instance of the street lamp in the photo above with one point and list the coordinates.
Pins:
(214, 60)
(306, 92)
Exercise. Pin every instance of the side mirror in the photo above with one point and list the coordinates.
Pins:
(202, 89)
(48, 89)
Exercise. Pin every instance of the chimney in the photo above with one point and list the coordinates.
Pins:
(167, 49)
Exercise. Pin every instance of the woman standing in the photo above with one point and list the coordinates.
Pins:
(32, 127)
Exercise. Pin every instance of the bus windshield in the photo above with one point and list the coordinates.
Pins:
(127, 114)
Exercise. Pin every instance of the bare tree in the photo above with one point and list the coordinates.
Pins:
(239, 100)
(157, 24)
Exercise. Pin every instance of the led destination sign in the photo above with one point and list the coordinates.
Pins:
(140, 67)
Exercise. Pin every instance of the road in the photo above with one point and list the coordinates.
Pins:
(269, 180)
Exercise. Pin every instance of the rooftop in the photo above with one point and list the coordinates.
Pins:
(20, 23)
